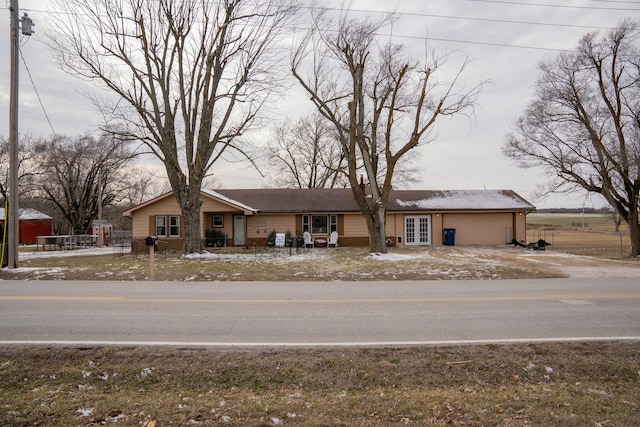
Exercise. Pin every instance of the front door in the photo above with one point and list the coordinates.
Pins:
(417, 230)
(238, 230)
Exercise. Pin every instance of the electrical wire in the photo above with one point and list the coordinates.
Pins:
(615, 1)
(549, 49)
(554, 5)
(476, 42)
(36, 92)
(507, 21)
(502, 21)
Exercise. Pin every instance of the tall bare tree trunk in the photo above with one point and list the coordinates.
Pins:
(377, 230)
(191, 219)
(634, 233)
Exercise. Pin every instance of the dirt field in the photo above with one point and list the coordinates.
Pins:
(593, 235)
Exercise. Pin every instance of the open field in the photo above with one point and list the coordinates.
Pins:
(588, 222)
(591, 234)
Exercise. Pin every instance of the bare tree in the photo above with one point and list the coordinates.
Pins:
(26, 169)
(381, 104)
(139, 185)
(583, 126)
(308, 154)
(76, 174)
(305, 154)
(191, 77)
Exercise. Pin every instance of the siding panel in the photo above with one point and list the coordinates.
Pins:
(479, 228)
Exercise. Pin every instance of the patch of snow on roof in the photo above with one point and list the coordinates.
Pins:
(468, 199)
(26, 214)
(228, 200)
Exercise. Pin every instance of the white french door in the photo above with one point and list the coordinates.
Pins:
(417, 230)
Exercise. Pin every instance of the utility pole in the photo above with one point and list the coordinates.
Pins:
(13, 229)
(13, 220)
(100, 230)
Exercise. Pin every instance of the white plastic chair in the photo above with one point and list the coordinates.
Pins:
(308, 240)
(333, 239)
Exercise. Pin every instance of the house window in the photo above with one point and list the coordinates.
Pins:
(218, 221)
(161, 225)
(174, 226)
(168, 225)
(319, 224)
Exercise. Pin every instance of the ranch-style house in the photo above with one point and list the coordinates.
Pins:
(247, 217)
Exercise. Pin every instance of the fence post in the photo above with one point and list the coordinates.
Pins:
(152, 273)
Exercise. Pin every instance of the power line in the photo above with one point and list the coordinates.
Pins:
(475, 42)
(554, 5)
(550, 49)
(36, 91)
(470, 18)
(615, 1)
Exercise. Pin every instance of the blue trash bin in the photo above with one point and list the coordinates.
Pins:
(449, 236)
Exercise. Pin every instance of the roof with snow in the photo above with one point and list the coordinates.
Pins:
(342, 200)
(462, 200)
(284, 200)
(27, 214)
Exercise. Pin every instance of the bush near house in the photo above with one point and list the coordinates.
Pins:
(215, 238)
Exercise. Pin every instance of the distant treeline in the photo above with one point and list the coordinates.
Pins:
(603, 211)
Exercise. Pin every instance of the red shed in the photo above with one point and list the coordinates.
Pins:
(31, 223)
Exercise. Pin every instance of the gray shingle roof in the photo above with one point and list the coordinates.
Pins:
(295, 200)
(270, 200)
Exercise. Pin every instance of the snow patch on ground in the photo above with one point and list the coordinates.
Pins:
(275, 256)
(390, 257)
(31, 252)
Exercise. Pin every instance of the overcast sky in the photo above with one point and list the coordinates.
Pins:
(504, 40)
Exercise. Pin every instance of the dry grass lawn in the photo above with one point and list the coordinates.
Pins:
(588, 384)
(437, 263)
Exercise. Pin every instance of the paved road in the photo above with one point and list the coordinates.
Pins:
(328, 313)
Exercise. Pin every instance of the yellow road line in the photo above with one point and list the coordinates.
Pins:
(58, 298)
(313, 301)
